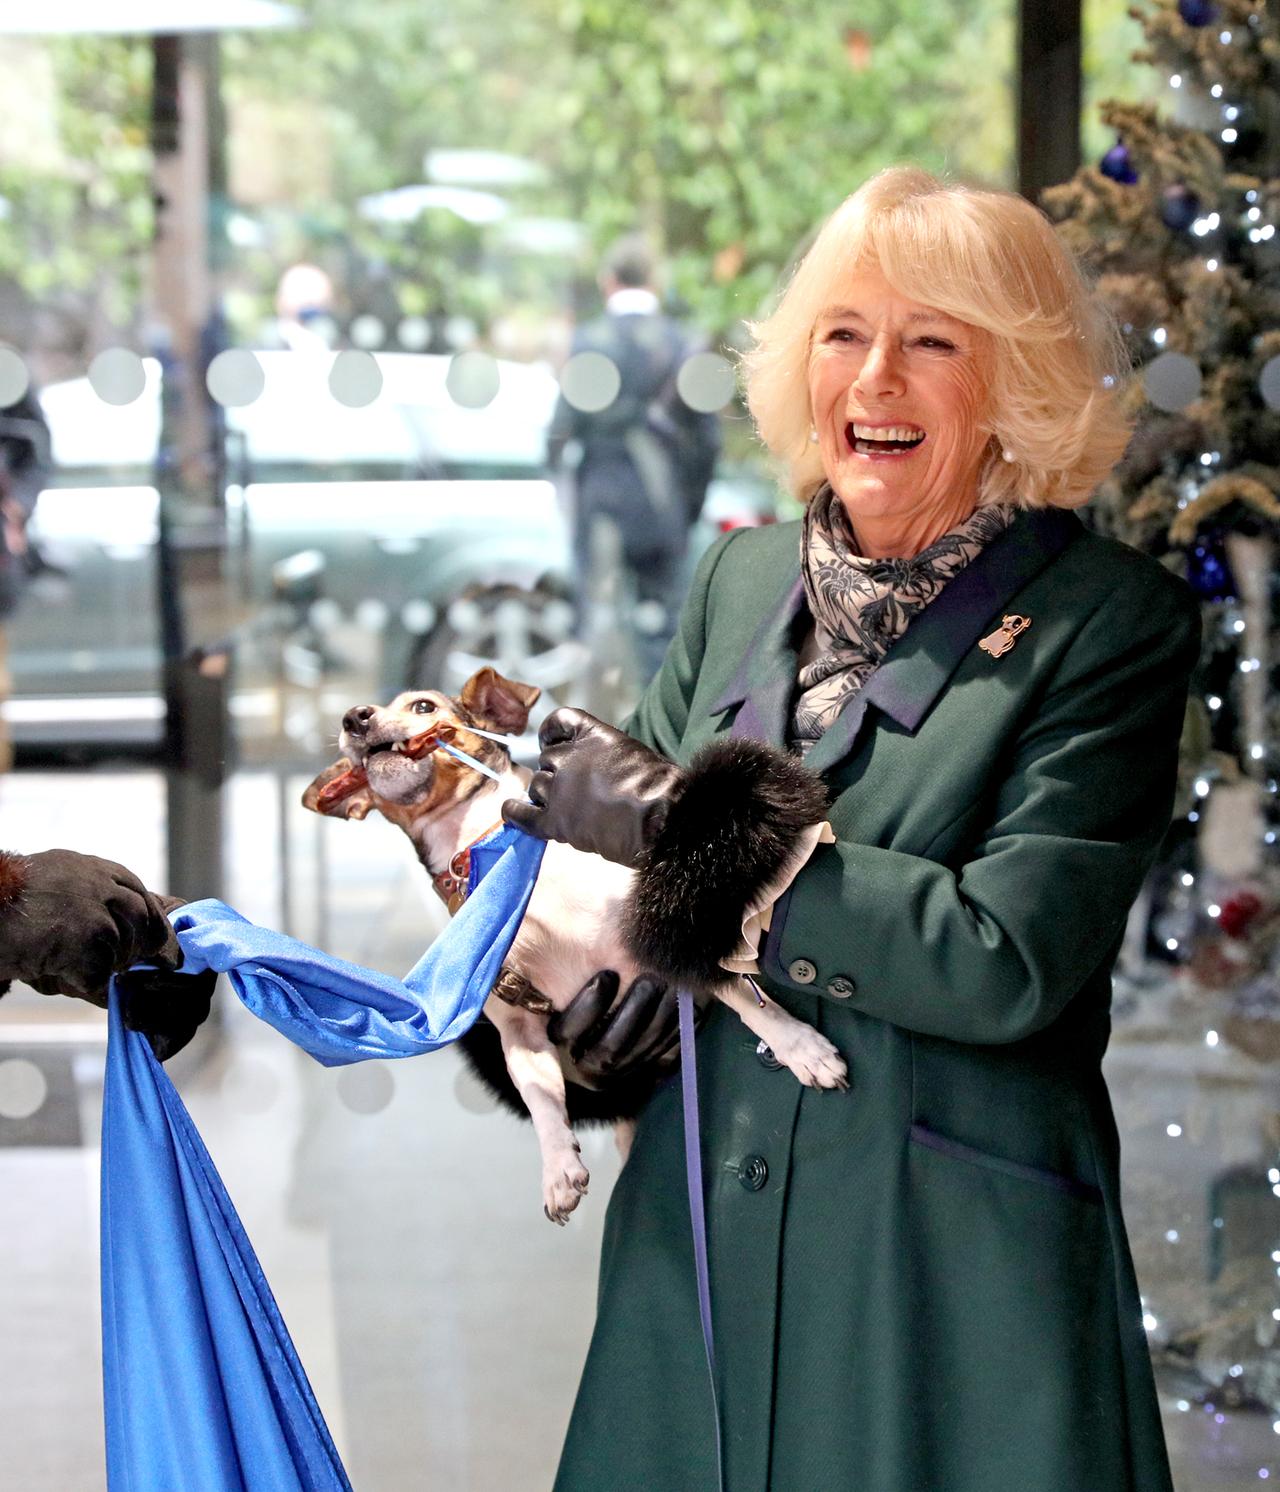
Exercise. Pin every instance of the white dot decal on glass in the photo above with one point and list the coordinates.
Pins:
(367, 331)
(117, 376)
(1172, 381)
(472, 380)
(366, 1087)
(1269, 383)
(590, 381)
(705, 382)
(22, 1088)
(355, 379)
(14, 378)
(413, 333)
(372, 614)
(235, 378)
(417, 616)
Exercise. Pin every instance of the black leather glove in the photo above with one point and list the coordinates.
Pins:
(613, 1040)
(621, 1048)
(596, 789)
(168, 1007)
(69, 921)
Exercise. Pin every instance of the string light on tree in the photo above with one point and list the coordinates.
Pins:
(1176, 224)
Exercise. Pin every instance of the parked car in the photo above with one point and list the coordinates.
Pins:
(409, 502)
(437, 520)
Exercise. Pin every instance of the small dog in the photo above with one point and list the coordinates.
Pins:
(571, 928)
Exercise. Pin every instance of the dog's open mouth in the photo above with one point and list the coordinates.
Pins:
(397, 748)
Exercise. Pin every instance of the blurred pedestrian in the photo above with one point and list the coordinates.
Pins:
(645, 459)
(24, 465)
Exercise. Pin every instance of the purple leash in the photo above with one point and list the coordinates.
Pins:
(697, 1204)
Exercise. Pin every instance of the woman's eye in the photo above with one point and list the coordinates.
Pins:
(423, 707)
(842, 334)
(938, 344)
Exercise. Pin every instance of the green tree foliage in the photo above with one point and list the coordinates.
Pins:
(726, 131)
(77, 219)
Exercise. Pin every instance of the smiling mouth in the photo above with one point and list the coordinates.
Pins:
(883, 440)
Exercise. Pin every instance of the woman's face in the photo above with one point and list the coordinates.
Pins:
(897, 395)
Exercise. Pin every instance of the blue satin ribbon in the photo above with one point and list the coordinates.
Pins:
(202, 1386)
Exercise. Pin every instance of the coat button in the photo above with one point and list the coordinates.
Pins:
(753, 1173)
(802, 971)
(765, 1056)
(841, 987)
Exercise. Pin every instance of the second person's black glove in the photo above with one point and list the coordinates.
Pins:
(68, 922)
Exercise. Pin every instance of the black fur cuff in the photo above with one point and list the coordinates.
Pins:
(727, 836)
(13, 877)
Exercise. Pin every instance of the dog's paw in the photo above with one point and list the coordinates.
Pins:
(813, 1059)
(564, 1184)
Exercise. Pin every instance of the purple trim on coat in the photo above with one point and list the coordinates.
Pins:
(920, 1134)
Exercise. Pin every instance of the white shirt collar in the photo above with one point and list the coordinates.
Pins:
(632, 300)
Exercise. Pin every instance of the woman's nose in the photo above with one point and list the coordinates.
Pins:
(355, 722)
(881, 372)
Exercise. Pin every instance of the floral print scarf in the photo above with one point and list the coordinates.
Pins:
(862, 606)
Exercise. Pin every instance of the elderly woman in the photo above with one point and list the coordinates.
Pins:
(923, 1284)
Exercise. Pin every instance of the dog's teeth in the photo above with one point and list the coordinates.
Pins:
(398, 747)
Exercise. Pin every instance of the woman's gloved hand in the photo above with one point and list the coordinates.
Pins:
(68, 922)
(706, 841)
(622, 1047)
(611, 1039)
(596, 789)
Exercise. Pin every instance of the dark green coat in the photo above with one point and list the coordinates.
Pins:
(921, 1285)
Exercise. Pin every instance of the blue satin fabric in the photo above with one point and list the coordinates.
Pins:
(203, 1390)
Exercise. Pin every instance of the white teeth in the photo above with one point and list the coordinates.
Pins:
(887, 432)
(398, 747)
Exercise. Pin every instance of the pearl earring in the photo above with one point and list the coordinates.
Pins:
(813, 435)
(1007, 454)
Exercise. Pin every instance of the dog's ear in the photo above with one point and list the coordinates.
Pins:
(339, 805)
(497, 703)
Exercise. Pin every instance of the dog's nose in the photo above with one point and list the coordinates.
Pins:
(356, 722)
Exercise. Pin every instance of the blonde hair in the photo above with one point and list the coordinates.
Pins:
(1055, 361)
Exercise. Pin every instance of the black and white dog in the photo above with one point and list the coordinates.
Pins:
(585, 913)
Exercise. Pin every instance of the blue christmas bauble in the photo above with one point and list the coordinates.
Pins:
(1197, 12)
(1118, 164)
(1179, 207)
(1208, 569)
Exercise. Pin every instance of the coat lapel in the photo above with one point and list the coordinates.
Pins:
(766, 677)
(918, 666)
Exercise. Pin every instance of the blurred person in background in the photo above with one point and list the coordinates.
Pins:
(24, 464)
(69, 922)
(304, 310)
(645, 459)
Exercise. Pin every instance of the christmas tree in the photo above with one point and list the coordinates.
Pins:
(1178, 223)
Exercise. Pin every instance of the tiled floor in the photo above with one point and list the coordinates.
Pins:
(441, 1319)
